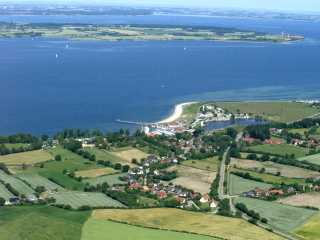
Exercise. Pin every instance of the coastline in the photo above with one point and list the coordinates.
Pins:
(177, 113)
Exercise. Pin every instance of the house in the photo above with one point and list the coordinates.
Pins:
(274, 141)
(162, 194)
(205, 198)
(213, 204)
(277, 192)
(134, 186)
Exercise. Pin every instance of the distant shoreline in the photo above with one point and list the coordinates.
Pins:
(177, 113)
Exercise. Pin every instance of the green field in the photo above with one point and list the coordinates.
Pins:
(99, 229)
(4, 193)
(35, 180)
(190, 111)
(272, 179)
(282, 217)
(312, 159)
(210, 164)
(281, 149)
(40, 223)
(310, 230)
(110, 179)
(15, 145)
(273, 111)
(78, 199)
(17, 184)
(53, 170)
(31, 157)
(187, 221)
(299, 130)
(238, 185)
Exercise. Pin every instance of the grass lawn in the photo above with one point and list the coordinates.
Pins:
(98, 229)
(310, 230)
(283, 217)
(312, 159)
(179, 220)
(238, 185)
(281, 149)
(4, 193)
(93, 173)
(78, 199)
(190, 111)
(31, 157)
(110, 179)
(273, 111)
(271, 179)
(53, 170)
(210, 164)
(15, 145)
(299, 130)
(35, 180)
(40, 223)
(17, 184)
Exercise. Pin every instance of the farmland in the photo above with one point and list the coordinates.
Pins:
(97, 229)
(110, 179)
(192, 178)
(40, 223)
(4, 193)
(53, 170)
(302, 200)
(29, 158)
(93, 173)
(79, 199)
(271, 179)
(238, 185)
(281, 149)
(282, 217)
(179, 220)
(310, 230)
(17, 184)
(130, 153)
(35, 180)
(209, 164)
(273, 111)
(105, 155)
(274, 168)
(312, 159)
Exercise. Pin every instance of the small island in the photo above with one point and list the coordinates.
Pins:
(138, 33)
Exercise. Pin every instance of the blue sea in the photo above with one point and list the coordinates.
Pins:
(50, 84)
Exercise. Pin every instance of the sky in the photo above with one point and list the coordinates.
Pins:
(283, 5)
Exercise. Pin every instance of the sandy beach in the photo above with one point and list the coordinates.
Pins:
(177, 113)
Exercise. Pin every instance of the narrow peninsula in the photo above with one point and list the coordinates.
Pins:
(138, 32)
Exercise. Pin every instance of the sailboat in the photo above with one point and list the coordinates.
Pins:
(57, 55)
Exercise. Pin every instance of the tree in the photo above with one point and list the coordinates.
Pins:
(58, 158)
(117, 166)
(125, 168)
(2, 201)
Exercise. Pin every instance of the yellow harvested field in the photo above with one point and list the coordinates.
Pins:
(93, 173)
(193, 178)
(302, 200)
(129, 154)
(192, 222)
(29, 158)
